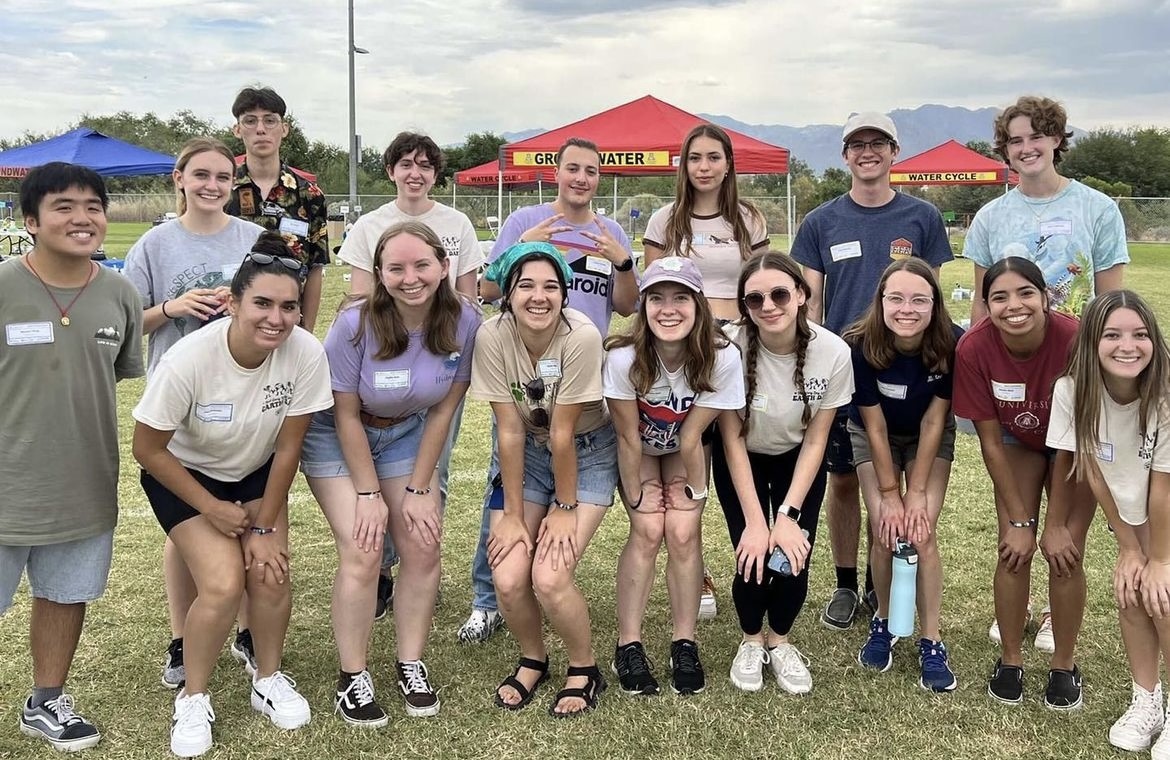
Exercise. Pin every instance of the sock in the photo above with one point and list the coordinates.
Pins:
(847, 578)
(868, 580)
(41, 695)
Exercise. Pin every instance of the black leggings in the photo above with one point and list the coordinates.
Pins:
(781, 597)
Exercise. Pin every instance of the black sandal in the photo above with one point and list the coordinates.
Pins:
(589, 693)
(525, 693)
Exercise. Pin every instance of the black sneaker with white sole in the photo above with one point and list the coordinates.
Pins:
(632, 667)
(384, 602)
(686, 671)
(1064, 689)
(1006, 683)
(419, 696)
(55, 722)
(244, 651)
(355, 700)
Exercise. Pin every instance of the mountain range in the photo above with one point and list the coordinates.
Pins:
(819, 145)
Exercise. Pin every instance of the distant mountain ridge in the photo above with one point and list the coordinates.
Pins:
(819, 145)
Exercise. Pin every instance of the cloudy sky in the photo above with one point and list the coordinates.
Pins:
(450, 67)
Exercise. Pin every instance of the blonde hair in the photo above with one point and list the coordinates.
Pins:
(190, 149)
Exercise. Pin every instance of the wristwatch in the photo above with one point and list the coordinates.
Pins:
(791, 512)
(626, 265)
(694, 495)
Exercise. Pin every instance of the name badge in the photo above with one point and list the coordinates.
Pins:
(598, 264)
(391, 379)
(228, 271)
(658, 395)
(213, 412)
(292, 226)
(759, 403)
(549, 368)
(842, 251)
(891, 390)
(1056, 227)
(1009, 391)
(29, 333)
(1105, 451)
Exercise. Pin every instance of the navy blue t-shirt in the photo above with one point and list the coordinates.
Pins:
(904, 390)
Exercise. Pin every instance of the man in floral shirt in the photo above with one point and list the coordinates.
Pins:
(269, 193)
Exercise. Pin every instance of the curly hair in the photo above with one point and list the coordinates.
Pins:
(1047, 116)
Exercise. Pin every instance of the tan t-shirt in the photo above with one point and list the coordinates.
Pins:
(777, 406)
(715, 250)
(570, 368)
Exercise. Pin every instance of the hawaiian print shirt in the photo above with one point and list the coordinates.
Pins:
(294, 206)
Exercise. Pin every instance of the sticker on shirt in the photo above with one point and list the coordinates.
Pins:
(842, 251)
(391, 379)
(271, 209)
(29, 333)
(213, 412)
(1105, 451)
(247, 202)
(658, 395)
(549, 368)
(901, 249)
(1009, 391)
(1051, 227)
(228, 271)
(598, 264)
(759, 403)
(291, 226)
(892, 390)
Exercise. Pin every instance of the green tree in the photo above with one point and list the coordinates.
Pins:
(1139, 157)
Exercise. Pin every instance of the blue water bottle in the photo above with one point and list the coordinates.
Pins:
(903, 587)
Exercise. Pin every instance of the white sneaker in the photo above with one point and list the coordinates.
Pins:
(747, 669)
(1161, 748)
(276, 697)
(480, 626)
(191, 726)
(1135, 730)
(993, 631)
(1044, 641)
(791, 669)
(708, 607)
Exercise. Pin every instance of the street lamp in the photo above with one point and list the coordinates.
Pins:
(353, 136)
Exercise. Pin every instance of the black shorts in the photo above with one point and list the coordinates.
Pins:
(839, 450)
(170, 510)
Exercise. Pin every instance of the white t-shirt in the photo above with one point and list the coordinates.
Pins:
(714, 248)
(777, 405)
(453, 228)
(225, 417)
(662, 411)
(1123, 456)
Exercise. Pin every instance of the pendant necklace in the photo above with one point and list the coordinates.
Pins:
(64, 311)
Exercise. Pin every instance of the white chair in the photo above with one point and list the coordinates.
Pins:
(493, 223)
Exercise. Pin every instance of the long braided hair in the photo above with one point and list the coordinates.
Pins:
(781, 262)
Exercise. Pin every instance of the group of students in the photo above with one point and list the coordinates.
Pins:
(723, 375)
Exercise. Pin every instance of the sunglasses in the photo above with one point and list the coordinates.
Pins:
(754, 301)
(264, 259)
(534, 390)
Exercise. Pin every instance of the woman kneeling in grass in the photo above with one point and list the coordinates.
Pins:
(539, 364)
(901, 424)
(1110, 410)
(665, 381)
(218, 434)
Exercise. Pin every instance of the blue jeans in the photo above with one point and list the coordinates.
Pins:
(483, 590)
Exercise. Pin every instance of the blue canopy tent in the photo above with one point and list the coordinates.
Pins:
(107, 156)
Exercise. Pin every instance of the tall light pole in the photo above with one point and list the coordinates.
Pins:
(353, 136)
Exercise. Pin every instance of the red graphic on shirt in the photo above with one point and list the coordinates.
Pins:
(901, 249)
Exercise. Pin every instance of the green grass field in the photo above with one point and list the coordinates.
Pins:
(849, 713)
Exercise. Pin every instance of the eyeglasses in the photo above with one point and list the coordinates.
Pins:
(878, 145)
(534, 390)
(270, 121)
(264, 259)
(916, 303)
(754, 301)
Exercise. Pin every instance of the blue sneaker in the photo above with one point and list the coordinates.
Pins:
(878, 651)
(936, 672)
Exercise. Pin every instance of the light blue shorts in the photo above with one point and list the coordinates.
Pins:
(394, 448)
(74, 572)
(597, 470)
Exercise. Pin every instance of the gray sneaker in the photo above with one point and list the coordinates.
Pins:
(173, 671)
(480, 626)
(840, 610)
(55, 722)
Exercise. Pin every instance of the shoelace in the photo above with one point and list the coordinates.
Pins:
(934, 659)
(686, 658)
(1143, 714)
(62, 707)
(360, 689)
(751, 658)
(792, 662)
(634, 661)
(414, 675)
(191, 710)
(279, 685)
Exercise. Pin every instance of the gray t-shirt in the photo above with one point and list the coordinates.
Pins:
(169, 260)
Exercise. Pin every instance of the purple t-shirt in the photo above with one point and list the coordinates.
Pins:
(411, 382)
(591, 290)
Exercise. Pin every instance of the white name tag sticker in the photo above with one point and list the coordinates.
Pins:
(213, 412)
(598, 264)
(229, 271)
(292, 226)
(842, 251)
(658, 395)
(1105, 451)
(547, 368)
(392, 379)
(891, 390)
(28, 333)
(759, 403)
(1056, 227)
(1009, 391)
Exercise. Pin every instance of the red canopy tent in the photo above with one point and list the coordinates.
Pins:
(951, 163)
(489, 174)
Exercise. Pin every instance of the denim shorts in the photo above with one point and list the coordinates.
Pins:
(597, 470)
(73, 572)
(839, 449)
(393, 448)
(903, 448)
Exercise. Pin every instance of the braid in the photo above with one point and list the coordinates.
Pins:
(751, 362)
(803, 334)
